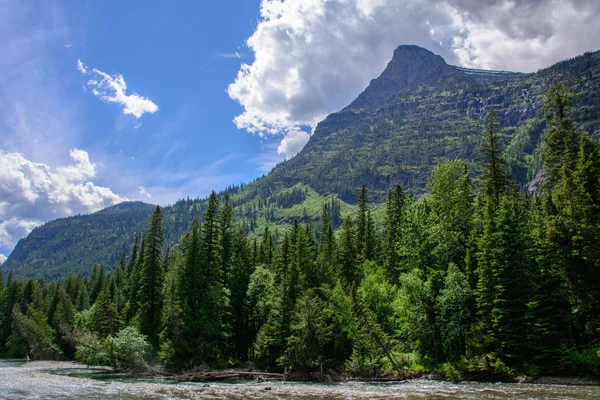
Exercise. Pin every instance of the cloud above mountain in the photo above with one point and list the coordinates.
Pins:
(313, 57)
(31, 193)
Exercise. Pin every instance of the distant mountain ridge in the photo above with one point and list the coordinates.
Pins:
(418, 111)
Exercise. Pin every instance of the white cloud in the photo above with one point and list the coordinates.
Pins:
(112, 89)
(32, 193)
(2, 259)
(313, 57)
(144, 193)
(81, 67)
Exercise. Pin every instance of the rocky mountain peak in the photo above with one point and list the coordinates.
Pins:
(409, 65)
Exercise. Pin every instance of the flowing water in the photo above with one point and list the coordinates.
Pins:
(64, 380)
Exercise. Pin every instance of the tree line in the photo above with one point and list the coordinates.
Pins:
(467, 278)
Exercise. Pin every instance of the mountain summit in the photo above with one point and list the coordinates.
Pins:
(410, 65)
(419, 111)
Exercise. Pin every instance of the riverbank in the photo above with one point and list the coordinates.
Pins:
(332, 376)
(68, 380)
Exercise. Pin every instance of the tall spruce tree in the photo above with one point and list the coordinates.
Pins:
(494, 177)
(393, 220)
(151, 281)
(560, 139)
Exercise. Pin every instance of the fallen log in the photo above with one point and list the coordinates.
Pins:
(225, 376)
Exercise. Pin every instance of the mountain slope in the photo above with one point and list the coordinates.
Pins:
(396, 136)
(418, 111)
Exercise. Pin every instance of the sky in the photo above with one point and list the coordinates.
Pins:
(108, 101)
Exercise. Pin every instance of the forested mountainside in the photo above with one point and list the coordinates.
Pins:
(419, 111)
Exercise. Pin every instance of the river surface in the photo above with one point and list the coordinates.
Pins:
(66, 380)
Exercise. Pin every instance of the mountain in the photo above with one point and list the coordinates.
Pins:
(418, 111)
(64, 244)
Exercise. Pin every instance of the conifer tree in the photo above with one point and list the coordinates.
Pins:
(347, 252)
(361, 225)
(211, 245)
(494, 177)
(133, 258)
(370, 239)
(560, 140)
(511, 273)
(549, 310)
(226, 236)
(242, 334)
(326, 250)
(151, 281)
(393, 220)
(266, 247)
(105, 318)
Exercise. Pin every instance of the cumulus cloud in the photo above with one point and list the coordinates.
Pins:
(2, 259)
(313, 57)
(112, 89)
(32, 193)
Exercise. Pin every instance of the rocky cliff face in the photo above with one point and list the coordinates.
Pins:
(421, 110)
(410, 65)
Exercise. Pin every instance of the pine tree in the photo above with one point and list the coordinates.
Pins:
(549, 310)
(494, 177)
(370, 239)
(347, 253)
(266, 247)
(104, 316)
(326, 250)
(211, 245)
(242, 334)
(226, 236)
(133, 258)
(512, 291)
(560, 140)
(151, 281)
(361, 226)
(393, 220)
(97, 281)
(574, 226)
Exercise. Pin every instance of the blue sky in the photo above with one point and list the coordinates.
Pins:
(105, 101)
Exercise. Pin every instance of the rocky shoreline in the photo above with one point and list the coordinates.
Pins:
(331, 376)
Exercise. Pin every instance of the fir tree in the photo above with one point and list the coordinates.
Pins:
(494, 177)
(393, 220)
(560, 140)
(151, 281)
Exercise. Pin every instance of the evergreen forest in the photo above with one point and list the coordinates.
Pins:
(468, 279)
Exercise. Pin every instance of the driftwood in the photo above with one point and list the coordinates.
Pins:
(228, 375)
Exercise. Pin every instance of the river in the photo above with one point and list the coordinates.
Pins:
(66, 380)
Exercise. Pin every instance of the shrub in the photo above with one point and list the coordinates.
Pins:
(585, 362)
(124, 352)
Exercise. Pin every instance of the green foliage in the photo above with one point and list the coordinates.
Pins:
(416, 315)
(126, 351)
(32, 334)
(585, 362)
(477, 282)
(454, 309)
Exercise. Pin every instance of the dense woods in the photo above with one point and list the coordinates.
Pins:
(469, 278)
